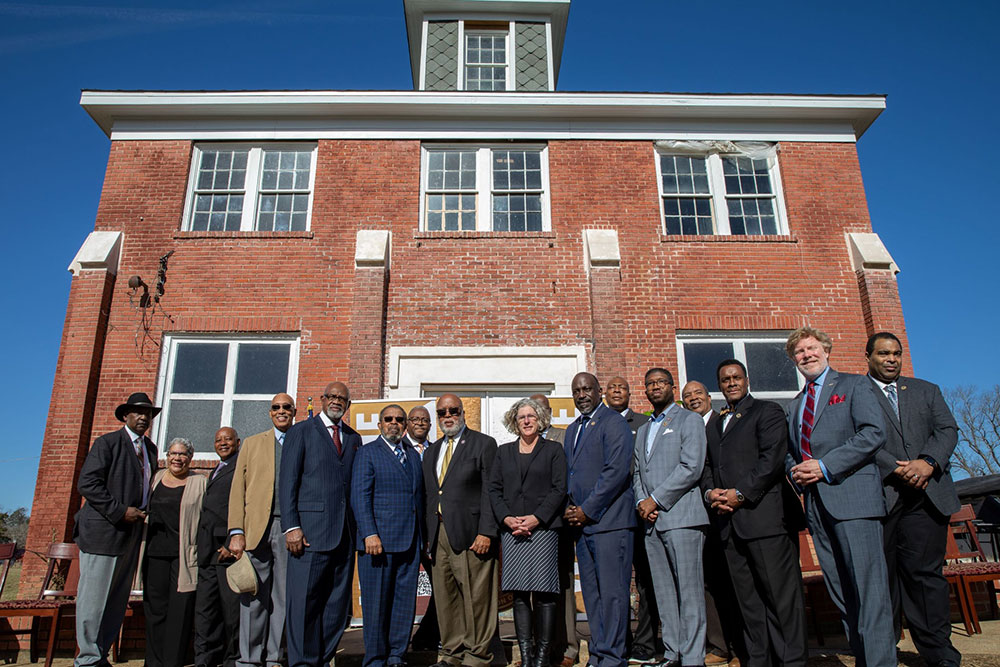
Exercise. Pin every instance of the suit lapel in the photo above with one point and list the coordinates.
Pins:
(825, 393)
(457, 454)
(661, 431)
(883, 401)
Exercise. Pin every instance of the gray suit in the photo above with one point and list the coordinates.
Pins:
(844, 513)
(670, 473)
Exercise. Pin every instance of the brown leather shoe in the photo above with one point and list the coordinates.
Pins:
(715, 659)
(565, 662)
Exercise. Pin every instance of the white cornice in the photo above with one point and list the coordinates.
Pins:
(419, 114)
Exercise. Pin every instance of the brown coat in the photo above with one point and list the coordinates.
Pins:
(251, 497)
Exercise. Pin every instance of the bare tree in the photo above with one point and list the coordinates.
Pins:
(978, 416)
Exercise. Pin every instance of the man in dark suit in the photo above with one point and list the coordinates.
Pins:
(835, 429)
(461, 534)
(723, 620)
(921, 435)
(387, 497)
(744, 485)
(601, 509)
(418, 427)
(315, 490)
(217, 606)
(114, 481)
(643, 646)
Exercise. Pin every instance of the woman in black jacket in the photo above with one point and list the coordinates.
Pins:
(528, 491)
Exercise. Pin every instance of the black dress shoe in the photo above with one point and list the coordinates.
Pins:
(642, 656)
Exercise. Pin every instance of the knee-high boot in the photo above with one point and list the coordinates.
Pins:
(522, 627)
(545, 615)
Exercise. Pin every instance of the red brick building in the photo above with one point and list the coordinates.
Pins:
(481, 233)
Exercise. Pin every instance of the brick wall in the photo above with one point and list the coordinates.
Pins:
(495, 289)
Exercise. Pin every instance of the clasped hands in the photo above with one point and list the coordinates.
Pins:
(806, 473)
(723, 501)
(521, 525)
(575, 516)
(917, 473)
(648, 510)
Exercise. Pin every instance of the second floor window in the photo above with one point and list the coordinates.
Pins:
(720, 194)
(485, 189)
(486, 60)
(251, 188)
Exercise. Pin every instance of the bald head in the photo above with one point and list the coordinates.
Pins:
(227, 442)
(335, 400)
(617, 394)
(451, 414)
(695, 397)
(282, 411)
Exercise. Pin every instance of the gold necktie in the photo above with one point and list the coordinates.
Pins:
(447, 459)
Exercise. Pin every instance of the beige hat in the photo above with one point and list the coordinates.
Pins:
(241, 576)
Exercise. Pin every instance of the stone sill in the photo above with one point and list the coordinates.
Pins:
(483, 235)
(726, 238)
(242, 235)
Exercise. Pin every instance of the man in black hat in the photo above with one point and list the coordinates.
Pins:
(114, 481)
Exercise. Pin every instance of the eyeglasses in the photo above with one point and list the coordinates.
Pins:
(282, 406)
(398, 420)
(662, 382)
(336, 397)
(419, 420)
(442, 412)
(527, 418)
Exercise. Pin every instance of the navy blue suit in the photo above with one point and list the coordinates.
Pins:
(599, 483)
(388, 501)
(314, 491)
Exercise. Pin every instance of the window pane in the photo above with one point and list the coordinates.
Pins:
(684, 174)
(261, 369)
(688, 215)
(769, 367)
(195, 420)
(701, 360)
(200, 368)
(251, 417)
(451, 170)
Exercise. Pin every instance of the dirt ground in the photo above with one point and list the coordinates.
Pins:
(977, 651)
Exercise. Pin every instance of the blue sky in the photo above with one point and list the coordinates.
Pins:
(928, 164)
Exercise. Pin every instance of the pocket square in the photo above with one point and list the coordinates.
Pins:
(667, 430)
(837, 398)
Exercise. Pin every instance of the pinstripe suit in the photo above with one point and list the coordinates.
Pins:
(387, 499)
(314, 489)
(844, 513)
(669, 473)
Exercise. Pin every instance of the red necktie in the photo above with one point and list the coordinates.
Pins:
(335, 432)
(808, 414)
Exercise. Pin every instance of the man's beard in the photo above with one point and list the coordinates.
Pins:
(334, 413)
(452, 431)
(392, 438)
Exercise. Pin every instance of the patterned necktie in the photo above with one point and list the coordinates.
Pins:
(447, 460)
(890, 392)
(335, 434)
(400, 454)
(808, 414)
(579, 432)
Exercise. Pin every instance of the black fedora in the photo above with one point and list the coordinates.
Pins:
(136, 400)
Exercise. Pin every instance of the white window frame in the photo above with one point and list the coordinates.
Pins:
(169, 358)
(252, 186)
(484, 181)
(739, 340)
(508, 33)
(719, 198)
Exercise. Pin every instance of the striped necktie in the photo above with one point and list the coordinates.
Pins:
(400, 454)
(808, 414)
(890, 392)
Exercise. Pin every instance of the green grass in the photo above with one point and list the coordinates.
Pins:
(10, 586)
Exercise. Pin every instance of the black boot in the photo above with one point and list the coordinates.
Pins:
(522, 627)
(545, 615)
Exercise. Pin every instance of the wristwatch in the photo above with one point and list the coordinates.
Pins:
(739, 496)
